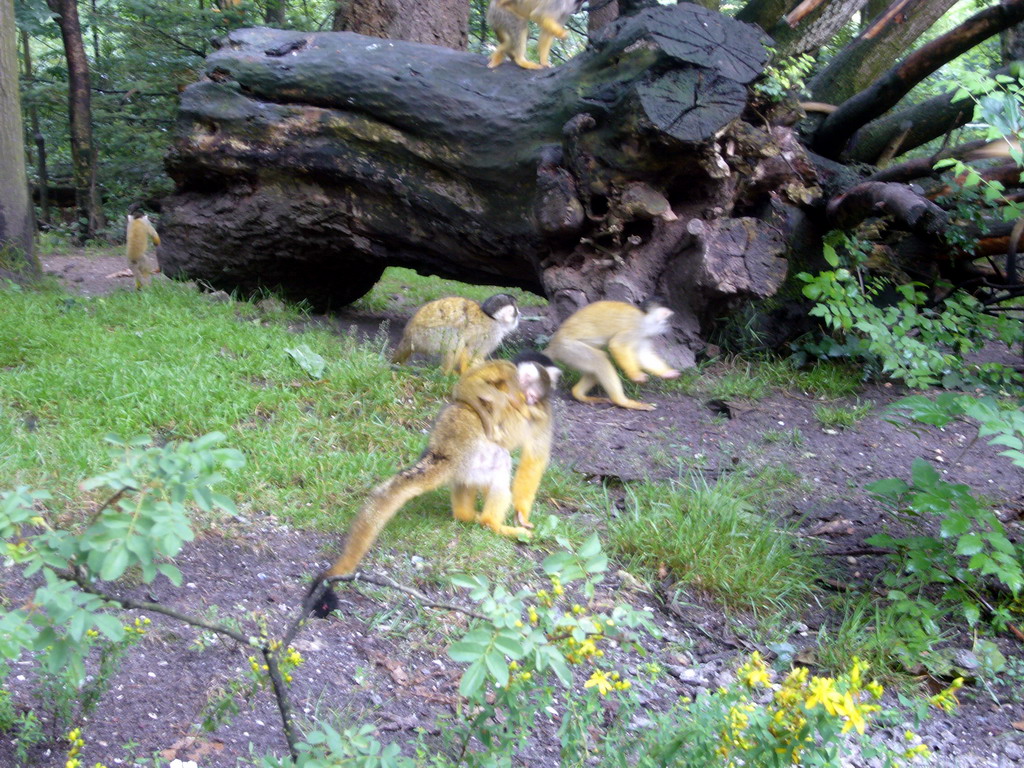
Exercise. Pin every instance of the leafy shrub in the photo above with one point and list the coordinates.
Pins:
(972, 544)
(893, 328)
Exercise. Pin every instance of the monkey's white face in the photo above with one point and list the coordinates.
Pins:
(534, 384)
(508, 316)
(656, 321)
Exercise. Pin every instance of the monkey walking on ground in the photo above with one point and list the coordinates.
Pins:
(496, 408)
(459, 329)
(510, 21)
(627, 332)
(137, 237)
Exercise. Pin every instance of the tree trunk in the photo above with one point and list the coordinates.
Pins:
(811, 24)
(274, 15)
(313, 161)
(83, 153)
(886, 39)
(38, 138)
(602, 13)
(17, 254)
(831, 137)
(442, 22)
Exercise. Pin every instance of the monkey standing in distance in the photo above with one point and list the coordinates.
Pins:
(461, 330)
(510, 21)
(137, 237)
(628, 334)
(497, 407)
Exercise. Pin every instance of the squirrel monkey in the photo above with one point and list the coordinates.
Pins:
(628, 334)
(496, 407)
(461, 330)
(510, 21)
(137, 238)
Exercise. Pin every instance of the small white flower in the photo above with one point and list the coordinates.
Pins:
(183, 764)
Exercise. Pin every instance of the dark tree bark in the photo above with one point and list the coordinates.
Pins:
(602, 13)
(1011, 43)
(833, 134)
(17, 255)
(764, 13)
(441, 22)
(83, 153)
(928, 120)
(313, 161)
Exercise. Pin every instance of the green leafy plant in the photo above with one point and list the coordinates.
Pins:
(785, 77)
(971, 544)
(893, 327)
(528, 641)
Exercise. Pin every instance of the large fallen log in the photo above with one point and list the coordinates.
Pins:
(313, 161)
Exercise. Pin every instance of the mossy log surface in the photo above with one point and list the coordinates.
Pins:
(311, 162)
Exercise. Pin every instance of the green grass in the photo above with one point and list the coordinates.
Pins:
(402, 288)
(735, 378)
(841, 416)
(168, 363)
(712, 537)
(891, 640)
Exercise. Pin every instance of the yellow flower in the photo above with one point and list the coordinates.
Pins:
(858, 668)
(875, 689)
(853, 713)
(946, 700)
(601, 681)
(918, 750)
(754, 672)
(587, 648)
(796, 677)
(823, 692)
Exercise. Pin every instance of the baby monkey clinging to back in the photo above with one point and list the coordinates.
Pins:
(510, 21)
(496, 407)
(460, 330)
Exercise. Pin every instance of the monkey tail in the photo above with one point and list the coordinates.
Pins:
(431, 471)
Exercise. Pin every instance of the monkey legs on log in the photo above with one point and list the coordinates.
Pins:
(312, 161)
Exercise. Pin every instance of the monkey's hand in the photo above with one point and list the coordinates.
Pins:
(671, 373)
(523, 520)
(639, 378)
(321, 598)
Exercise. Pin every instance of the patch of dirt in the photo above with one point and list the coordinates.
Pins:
(394, 672)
